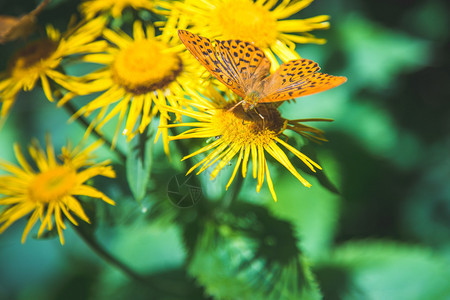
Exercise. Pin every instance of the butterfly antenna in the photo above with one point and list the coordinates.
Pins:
(236, 105)
(39, 8)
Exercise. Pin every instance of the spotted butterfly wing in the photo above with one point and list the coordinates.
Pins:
(247, 61)
(297, 78)
(238, 65)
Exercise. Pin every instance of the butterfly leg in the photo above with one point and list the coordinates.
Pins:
(243, 119)
(284, 137)
(261, 116)
(283, 129)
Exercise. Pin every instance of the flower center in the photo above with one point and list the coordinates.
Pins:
(245, 20)
(238, 126)
(52, 185)
(31, 57)
(145, 66)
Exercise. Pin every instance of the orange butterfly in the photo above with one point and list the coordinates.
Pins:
(243, 68)
(12, 28)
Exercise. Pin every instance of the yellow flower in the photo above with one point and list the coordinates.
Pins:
(91, 8)
(260, 22)
(245, 134)
(49, 192)
(41, 60)
(140, 74)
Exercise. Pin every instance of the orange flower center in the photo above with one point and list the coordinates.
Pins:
(260, 125)
(52, 185)
(146, 65)
(245, 20)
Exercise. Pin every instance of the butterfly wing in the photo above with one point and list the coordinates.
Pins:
(297, 78)
(236, 64)
(247, 61)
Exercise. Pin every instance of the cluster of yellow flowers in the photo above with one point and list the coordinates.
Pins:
(149, 75)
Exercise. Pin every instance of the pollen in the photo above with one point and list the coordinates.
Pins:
(245, 20)
(259, 126)
(52, 185)
(145, 66)
(32, 58)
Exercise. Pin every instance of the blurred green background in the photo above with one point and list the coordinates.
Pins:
(374, 225)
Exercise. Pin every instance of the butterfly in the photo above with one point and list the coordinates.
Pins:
(12, 28)
(244, 69)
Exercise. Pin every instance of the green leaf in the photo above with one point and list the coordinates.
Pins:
(314, 211)
(139, 164)
(426, 214)
(383, 270)
(246, 253)
(377, 54)
(321, 176)
(155, 252)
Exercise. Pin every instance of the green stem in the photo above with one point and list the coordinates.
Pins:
(81, 119)
(161, 285)
(97, 248)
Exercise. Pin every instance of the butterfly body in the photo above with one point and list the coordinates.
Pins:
(251, 100)
(244, 69)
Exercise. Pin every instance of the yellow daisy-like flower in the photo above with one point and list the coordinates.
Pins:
(91, 8)
(40, 60)
(140, 74)
(245, 134)
(48, 194)
(261, 22)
